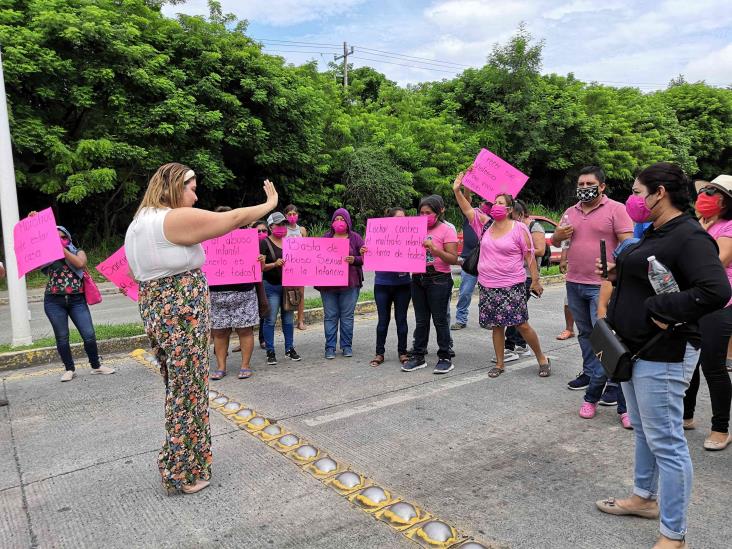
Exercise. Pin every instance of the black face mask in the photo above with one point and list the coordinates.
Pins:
(588, 194)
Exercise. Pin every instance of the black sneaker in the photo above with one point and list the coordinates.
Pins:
(443, 366)
(292, 355)
(271, 358)
(415, 363)
(610, 396)
(451, 352)
(580, 382)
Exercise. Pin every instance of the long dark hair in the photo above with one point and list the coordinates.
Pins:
(671, 177)
(435, 203)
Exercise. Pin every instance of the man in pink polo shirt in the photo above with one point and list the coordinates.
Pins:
(595, 217)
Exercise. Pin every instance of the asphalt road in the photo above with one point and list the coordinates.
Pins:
(505, 460)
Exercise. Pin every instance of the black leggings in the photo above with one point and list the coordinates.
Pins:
(716, 329)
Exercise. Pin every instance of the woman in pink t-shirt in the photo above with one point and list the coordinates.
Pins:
(504, 246)
(714, 205)
(431, 290)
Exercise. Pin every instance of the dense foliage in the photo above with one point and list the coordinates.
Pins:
(101, 92)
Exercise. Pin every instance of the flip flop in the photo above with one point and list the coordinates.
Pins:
(495, 372)
(566, 334)
(404, 358)
(610, 506)
(245, 373)
(545, 370)
(217, 374)
(377, 361)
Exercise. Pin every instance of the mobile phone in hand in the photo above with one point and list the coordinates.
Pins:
(603, 259)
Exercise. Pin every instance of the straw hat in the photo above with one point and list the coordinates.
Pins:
(721, 182)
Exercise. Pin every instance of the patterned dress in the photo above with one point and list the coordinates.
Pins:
(175, 312)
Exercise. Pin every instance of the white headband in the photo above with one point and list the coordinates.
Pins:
(190, 174)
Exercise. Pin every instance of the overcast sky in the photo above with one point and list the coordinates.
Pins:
(640, 43)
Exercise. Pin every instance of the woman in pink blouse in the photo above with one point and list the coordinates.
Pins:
(504, 246)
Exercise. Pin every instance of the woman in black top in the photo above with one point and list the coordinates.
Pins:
(660, 377)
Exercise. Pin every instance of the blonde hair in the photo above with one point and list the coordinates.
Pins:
(165, 189)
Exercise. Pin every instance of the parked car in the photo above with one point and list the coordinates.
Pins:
(554, 253)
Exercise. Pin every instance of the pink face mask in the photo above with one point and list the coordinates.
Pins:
(279, 231)
(637, 209)
(262, 236)
(340, 227)
(431, 220)
(499, 212)
(292, 219)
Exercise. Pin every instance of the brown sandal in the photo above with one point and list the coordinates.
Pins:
(495, 372)
(545, 370)
(404, 359)
(378, 360)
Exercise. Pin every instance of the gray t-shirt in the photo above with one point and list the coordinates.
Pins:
(534, 227)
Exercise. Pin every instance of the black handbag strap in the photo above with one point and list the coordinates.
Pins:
(655, 339)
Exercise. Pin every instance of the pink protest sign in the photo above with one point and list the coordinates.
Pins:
(394, 244)
(315, 261)
(36, 242)
(232, 258)
(491, 175)
(117, 271)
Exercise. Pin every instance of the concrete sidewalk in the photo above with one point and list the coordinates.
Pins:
(506, 461)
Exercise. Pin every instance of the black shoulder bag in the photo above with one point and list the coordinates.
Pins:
(615, 357)
(470, 265)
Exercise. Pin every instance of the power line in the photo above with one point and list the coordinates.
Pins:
(394, 54)
(401, 64)
(294, 42)
(301, 51)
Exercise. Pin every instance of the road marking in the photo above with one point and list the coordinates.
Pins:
(413, 394)
(446, 535)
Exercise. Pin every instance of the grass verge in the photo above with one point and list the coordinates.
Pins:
(103, 331)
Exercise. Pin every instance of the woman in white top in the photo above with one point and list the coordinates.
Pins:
(164, 252)
(295, 231)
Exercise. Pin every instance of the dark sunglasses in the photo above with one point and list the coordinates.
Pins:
(710, 191)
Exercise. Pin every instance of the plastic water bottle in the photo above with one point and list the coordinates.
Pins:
(565, 222)
(660, 277)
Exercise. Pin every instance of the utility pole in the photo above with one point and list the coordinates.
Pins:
(21, 333)
(345, 55)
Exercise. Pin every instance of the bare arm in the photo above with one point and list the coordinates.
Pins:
(725, 250)
(188, 226)
(78, 261)
(449, 254)
(533, 265)
(623, 236)
(462, 202)
(303, 232)
(539, 240)
(606, 291)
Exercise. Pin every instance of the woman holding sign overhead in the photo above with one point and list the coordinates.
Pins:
(504, 247)
(164, 252)
(431, 290)
(339, 302)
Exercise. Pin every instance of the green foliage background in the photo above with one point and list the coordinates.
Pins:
(101, 92)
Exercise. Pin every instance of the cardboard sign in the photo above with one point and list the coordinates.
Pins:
(117, 271)
(394, 244)
(315, 261)
(491, 175)
(36, 242)
(232, 258)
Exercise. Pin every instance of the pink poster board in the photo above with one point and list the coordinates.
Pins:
(232, 258)
(36, 242)
(117, 271)
(315, 261)
(394, 244)
(491, 175)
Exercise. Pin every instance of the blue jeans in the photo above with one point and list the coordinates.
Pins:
(385, 296)
(276, 304)
(467, 286)
(59, 308)
(430, 298)
(655, 397)
(338, 308)
(582, 300)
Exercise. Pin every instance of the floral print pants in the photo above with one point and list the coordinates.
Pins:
(175, 313)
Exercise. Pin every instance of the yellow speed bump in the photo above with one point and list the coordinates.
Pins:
(286, 443)
(254, 424)
(242, 416)
(434, 534)
(347, 482)
(402, 515)
(270, 432)
(230, 408)
(372, 498)
(219, 402)
(306, 453)
(324, 467)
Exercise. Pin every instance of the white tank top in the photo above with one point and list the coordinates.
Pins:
(293, 233)
(150, 255)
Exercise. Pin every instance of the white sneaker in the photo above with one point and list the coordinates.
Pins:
(510, 356)
(523, 351)
(68, 375)
(103, 370)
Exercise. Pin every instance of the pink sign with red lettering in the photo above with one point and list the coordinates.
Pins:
(491, 175)
(36, 242)
(395, 244)
(116, 270)
(232, 258)
(315, 261)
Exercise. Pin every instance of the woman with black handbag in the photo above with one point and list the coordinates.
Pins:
(662, 371)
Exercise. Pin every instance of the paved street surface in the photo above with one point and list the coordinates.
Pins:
(506, 460)
(114, 309)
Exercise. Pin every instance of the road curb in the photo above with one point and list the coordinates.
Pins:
(15, 360)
